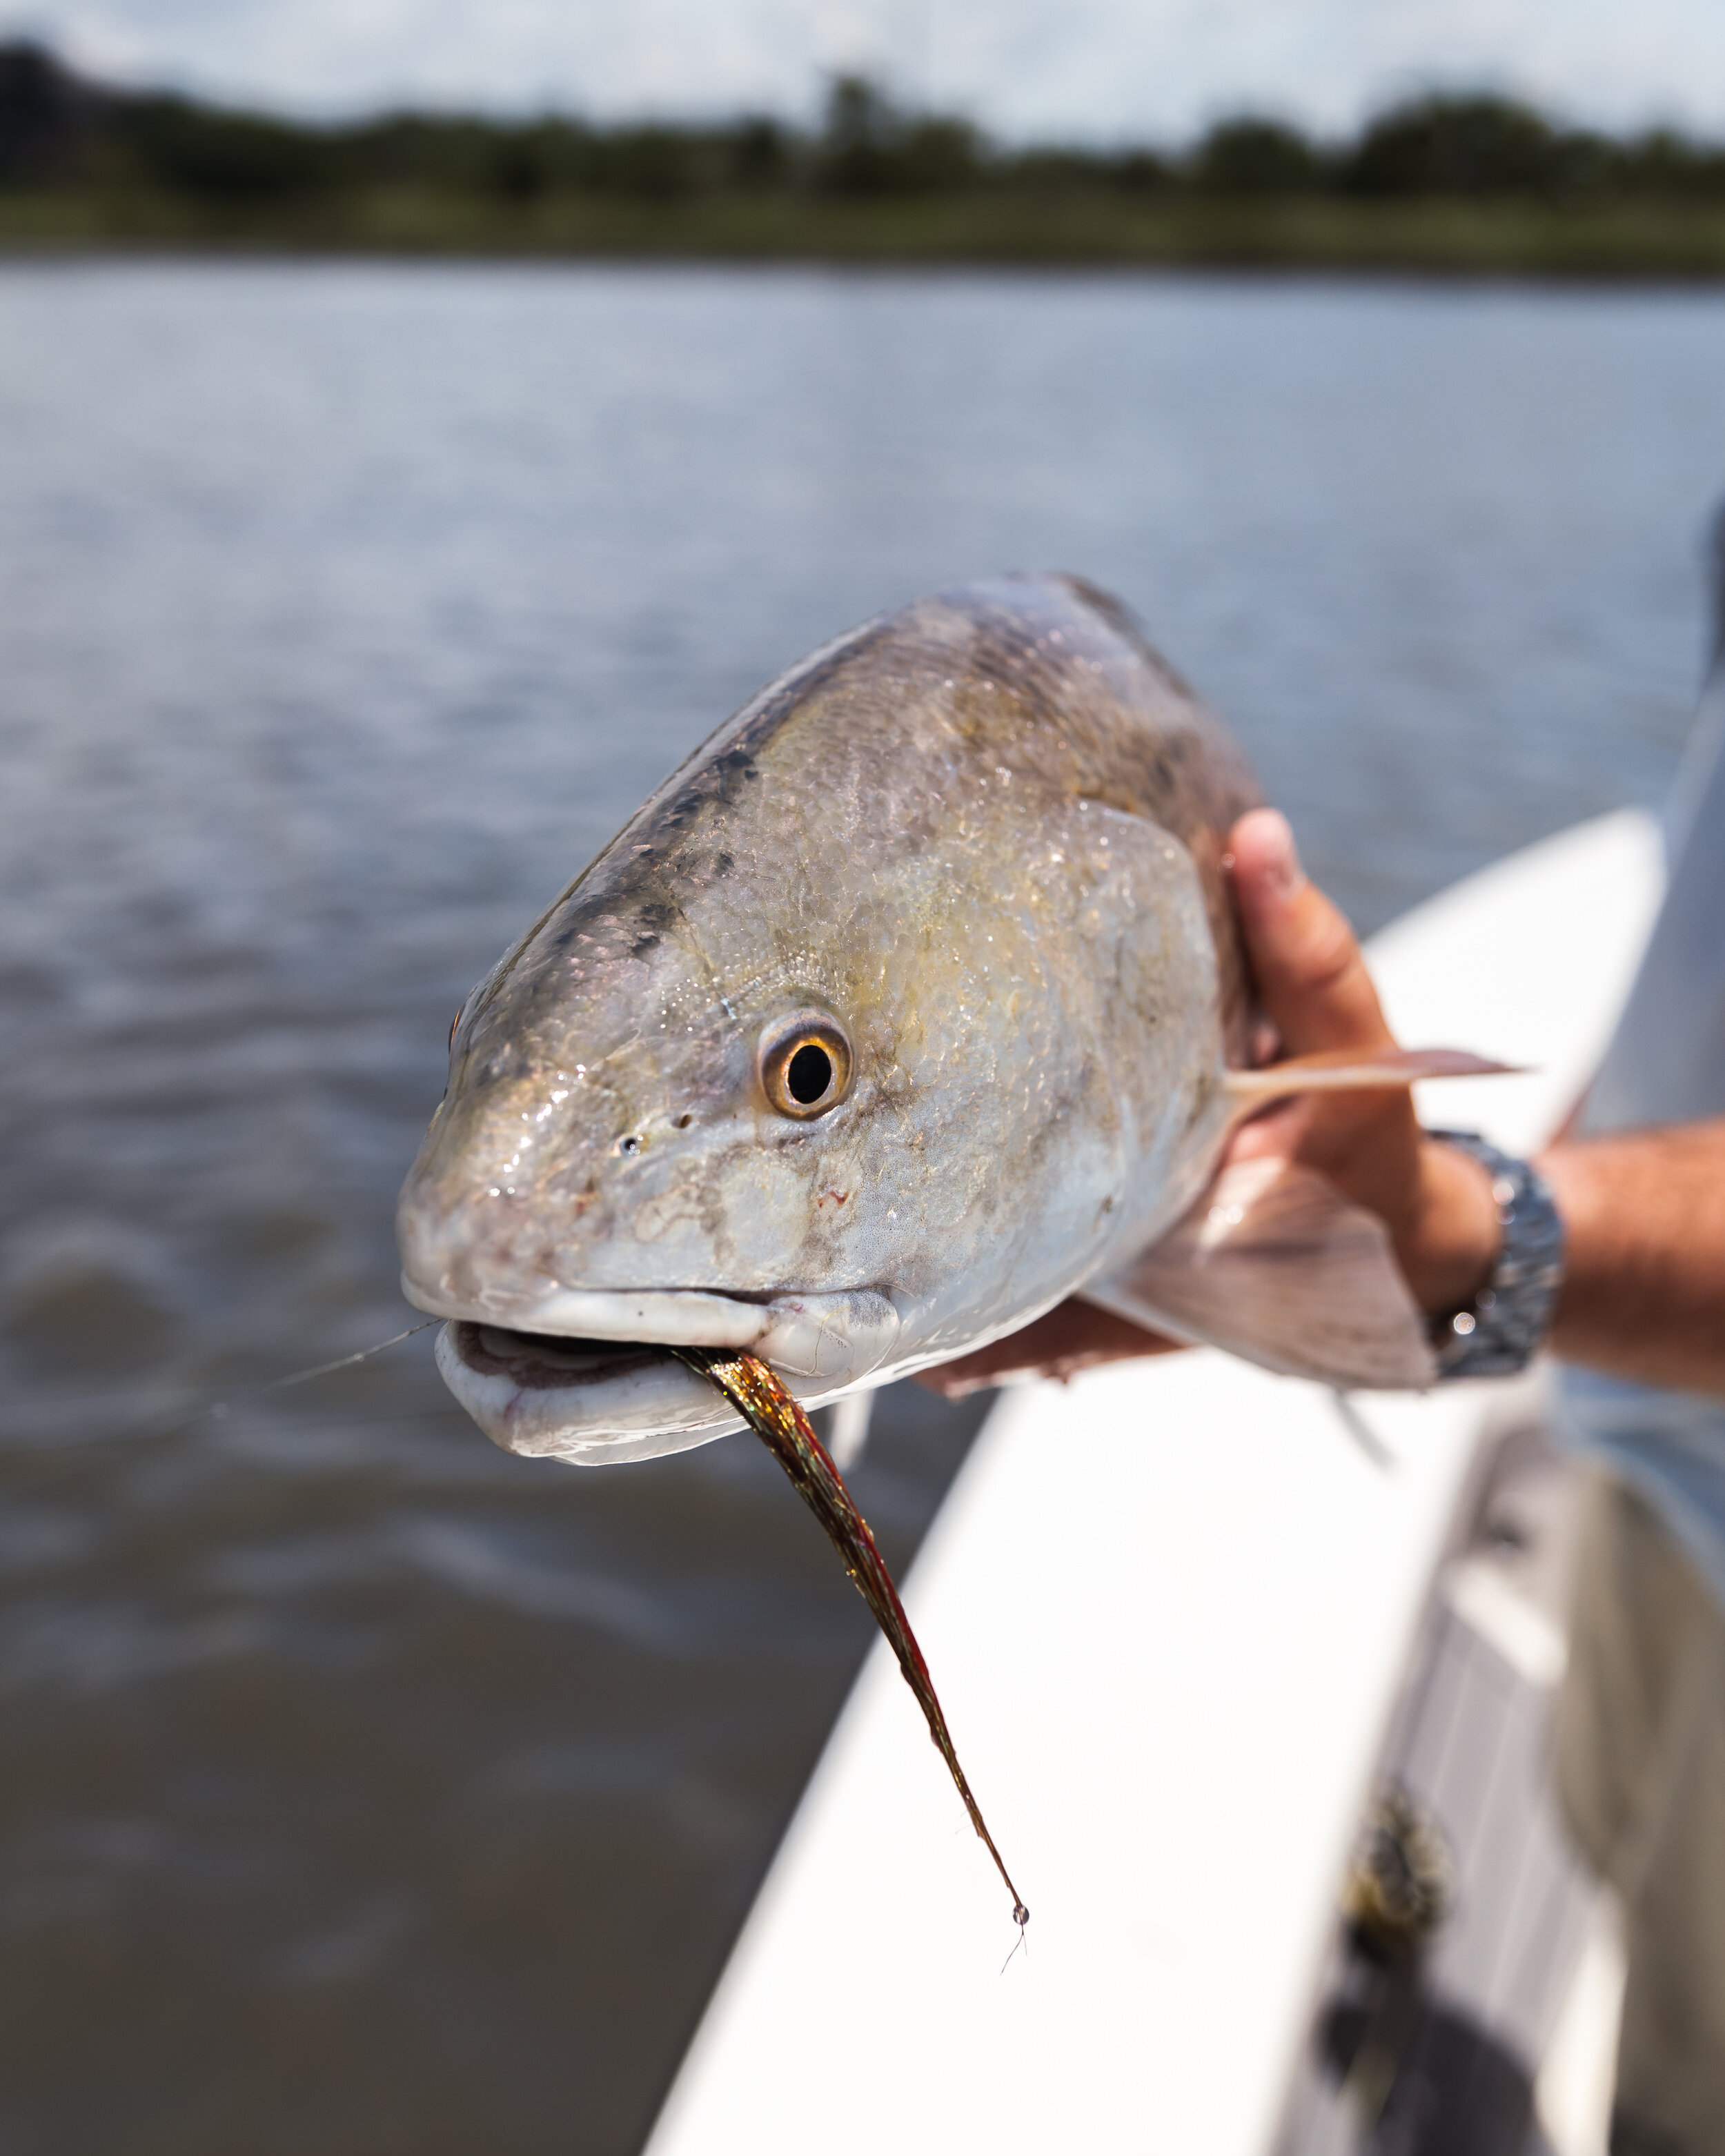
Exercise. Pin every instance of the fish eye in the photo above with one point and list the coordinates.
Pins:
(805, 1065)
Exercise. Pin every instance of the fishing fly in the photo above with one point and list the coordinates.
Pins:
(777, 1419)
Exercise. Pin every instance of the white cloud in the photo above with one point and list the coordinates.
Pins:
(1079, 68)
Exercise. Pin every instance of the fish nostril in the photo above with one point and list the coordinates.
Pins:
(682, 1122)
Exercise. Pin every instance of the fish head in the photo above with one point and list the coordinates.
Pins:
(842, 1054)
(633, 1154)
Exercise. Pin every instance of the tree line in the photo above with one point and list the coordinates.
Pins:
(60, 130)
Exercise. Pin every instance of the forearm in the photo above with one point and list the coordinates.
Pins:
(1644, 1220)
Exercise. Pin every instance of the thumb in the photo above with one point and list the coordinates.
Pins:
(1305, 957)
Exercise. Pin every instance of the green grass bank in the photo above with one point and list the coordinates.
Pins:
(1637, 239)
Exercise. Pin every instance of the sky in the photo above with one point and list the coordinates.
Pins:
(1094, 70)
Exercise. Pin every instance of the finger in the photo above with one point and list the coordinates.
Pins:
(1305, 957)
(1073, 1336)
(1274, 1133)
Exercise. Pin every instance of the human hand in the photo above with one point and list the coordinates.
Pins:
(1317, 993)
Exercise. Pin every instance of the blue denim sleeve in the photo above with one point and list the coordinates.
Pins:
(1669, 1447)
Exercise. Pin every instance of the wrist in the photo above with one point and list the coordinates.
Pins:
(1448, 1252)
(1498, 1329)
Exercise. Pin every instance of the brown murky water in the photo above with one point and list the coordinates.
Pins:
(361, 1787)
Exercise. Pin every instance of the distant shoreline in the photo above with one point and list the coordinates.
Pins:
(1468, 185)
(1636, 241)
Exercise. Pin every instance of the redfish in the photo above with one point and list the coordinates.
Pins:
(911, 1004)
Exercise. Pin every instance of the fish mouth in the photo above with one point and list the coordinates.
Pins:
(591, 1376)
(549, 1362)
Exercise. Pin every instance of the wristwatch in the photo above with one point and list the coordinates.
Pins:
(1504, 1327)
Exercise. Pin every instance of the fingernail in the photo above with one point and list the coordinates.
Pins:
(1283, 874)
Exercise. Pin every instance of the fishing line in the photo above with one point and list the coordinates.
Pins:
(341, 1363)
(214, 1408)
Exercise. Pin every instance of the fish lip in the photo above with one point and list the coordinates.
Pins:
(825, 1333)
(682, 1317)
(604, 1403)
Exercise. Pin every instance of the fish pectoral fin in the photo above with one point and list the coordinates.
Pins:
(1275, 1264)
(1346, 1070)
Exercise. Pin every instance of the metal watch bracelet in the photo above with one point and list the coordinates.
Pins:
(1501, 1330)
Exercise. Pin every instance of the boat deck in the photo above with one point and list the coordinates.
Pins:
(1439, 2056)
